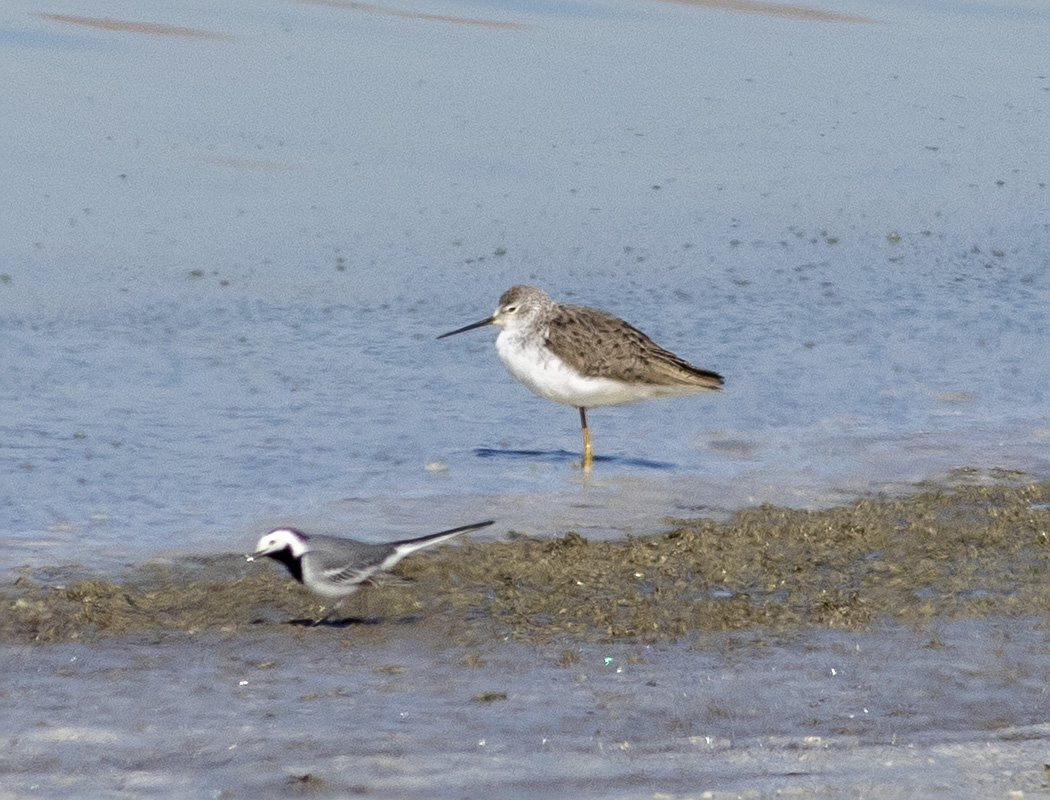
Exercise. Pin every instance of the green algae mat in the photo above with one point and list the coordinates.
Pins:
(939, 552)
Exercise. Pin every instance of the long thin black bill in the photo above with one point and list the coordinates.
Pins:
(481, 324)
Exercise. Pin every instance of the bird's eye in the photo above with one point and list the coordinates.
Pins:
(511, 309)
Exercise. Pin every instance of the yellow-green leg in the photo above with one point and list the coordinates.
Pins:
(588, 453)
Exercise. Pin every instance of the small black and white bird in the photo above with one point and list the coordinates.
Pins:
(335, 567)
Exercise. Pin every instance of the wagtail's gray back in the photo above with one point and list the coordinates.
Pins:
(333, 566)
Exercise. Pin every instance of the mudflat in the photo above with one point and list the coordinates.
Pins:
(893, 647)
(937, 553)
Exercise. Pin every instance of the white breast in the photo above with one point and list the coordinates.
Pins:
(549, 377)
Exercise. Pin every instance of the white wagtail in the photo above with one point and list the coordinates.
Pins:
(333, 566)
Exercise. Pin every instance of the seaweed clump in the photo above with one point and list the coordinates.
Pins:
(943, 552)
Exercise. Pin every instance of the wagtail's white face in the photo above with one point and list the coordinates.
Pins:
(281, 539)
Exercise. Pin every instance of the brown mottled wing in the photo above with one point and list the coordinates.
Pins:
(599, 344)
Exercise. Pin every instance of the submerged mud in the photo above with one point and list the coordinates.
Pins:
(940, 552)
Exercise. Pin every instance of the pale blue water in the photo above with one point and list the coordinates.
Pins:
(224, 263)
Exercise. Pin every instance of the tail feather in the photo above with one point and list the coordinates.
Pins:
(406, 546)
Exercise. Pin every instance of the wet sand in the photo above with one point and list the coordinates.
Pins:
(894, 647)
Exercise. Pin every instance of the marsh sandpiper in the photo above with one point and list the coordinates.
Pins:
(585, 357)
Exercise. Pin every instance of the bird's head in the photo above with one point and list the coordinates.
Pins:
(515, 309)
(282, 542)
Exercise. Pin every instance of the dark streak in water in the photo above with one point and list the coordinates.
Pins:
(126, 26)
(397, 12)
(778, 10)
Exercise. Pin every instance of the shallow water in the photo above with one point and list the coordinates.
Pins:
(393, 713)
(224, 261)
